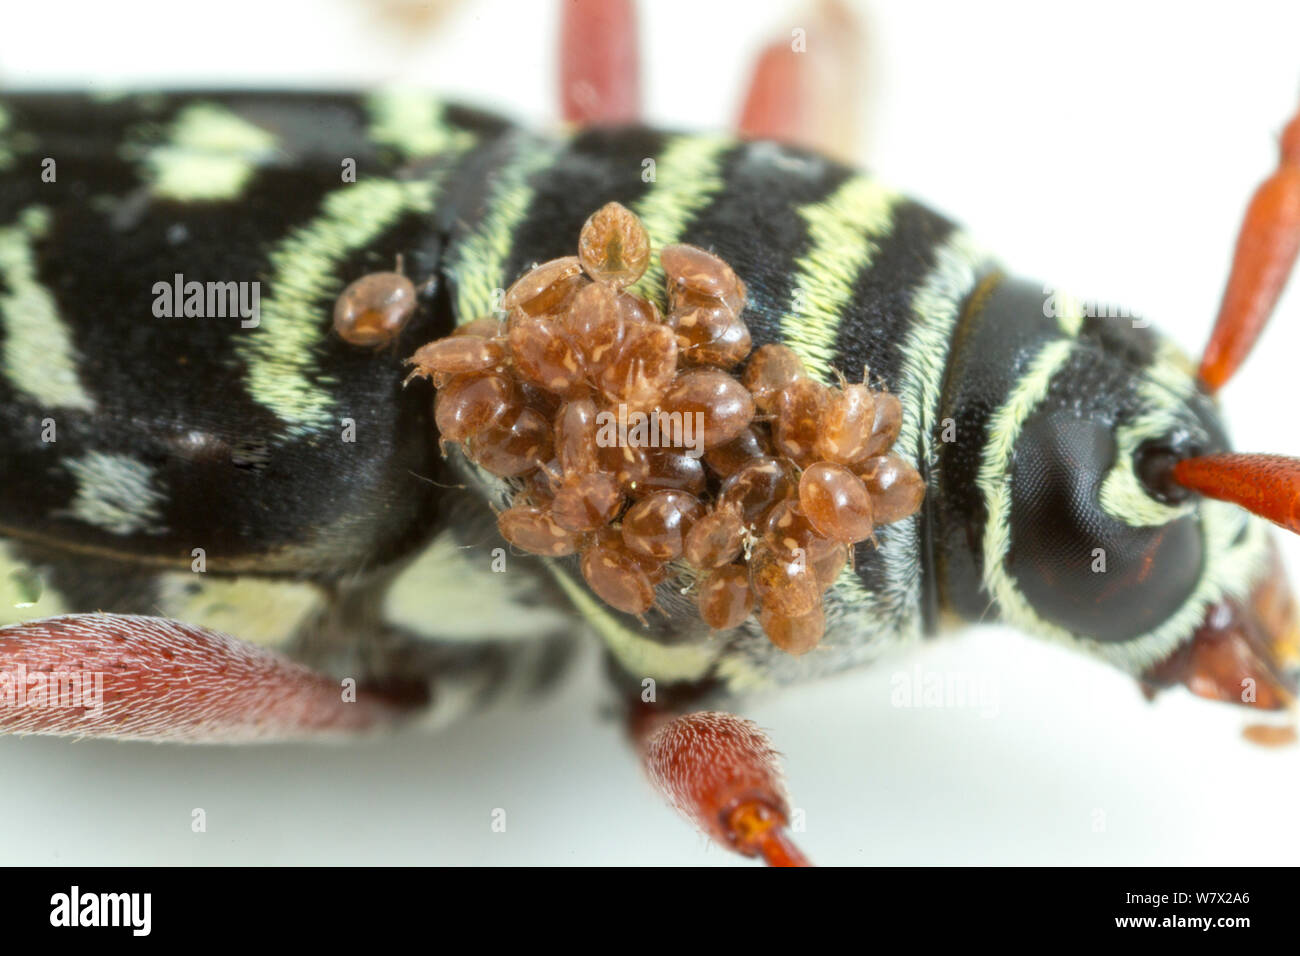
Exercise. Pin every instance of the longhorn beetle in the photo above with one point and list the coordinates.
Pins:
(271, 481)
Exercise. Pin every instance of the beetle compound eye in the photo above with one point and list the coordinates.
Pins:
(735, 471)
(374, 309)
(1121, 578)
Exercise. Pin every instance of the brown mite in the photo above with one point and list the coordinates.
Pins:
(763, 500)
(613, 247)
(373, 310)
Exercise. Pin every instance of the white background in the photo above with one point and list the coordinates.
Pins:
(1108, 147)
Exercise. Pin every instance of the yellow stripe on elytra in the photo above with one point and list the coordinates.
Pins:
(40, 360)
(688, 174)
(485, 251)
(842, 234)
(282, 365)
(211, 154)
(415, 124)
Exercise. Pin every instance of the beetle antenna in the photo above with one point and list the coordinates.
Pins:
(1266, 251)
(600, 72)
(1265, 485)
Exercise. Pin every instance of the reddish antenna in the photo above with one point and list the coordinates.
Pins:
(1267, 246)
(1266, 252)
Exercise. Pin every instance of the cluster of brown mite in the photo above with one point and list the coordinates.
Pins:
(792, 474)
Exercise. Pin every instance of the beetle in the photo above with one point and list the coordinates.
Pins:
(104, 503)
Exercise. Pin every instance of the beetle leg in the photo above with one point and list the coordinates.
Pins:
(805, 86)
(721, 773)
(132, 677)
(600, 74)
(1266, 252)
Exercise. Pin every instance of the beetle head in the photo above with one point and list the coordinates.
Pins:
(1092, 540)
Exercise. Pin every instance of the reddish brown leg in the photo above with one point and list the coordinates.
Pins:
(721, 773)
(600, 73)
(1266, 252)
(805, 84)
(111, 675)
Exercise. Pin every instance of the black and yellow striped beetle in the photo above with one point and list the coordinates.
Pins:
(261, 477)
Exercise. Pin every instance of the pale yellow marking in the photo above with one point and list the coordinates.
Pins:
(485, 251)
(40, 360)
(843, 232)
(24, 593)
(115, 493)
(451, 593)
(1167, 383)
(415, 124)
(281, 355)
(639, 656)
(1069, 313)
(994, 478)
(936, 306)
(264, 611)
(688, 174)
(210, 155)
